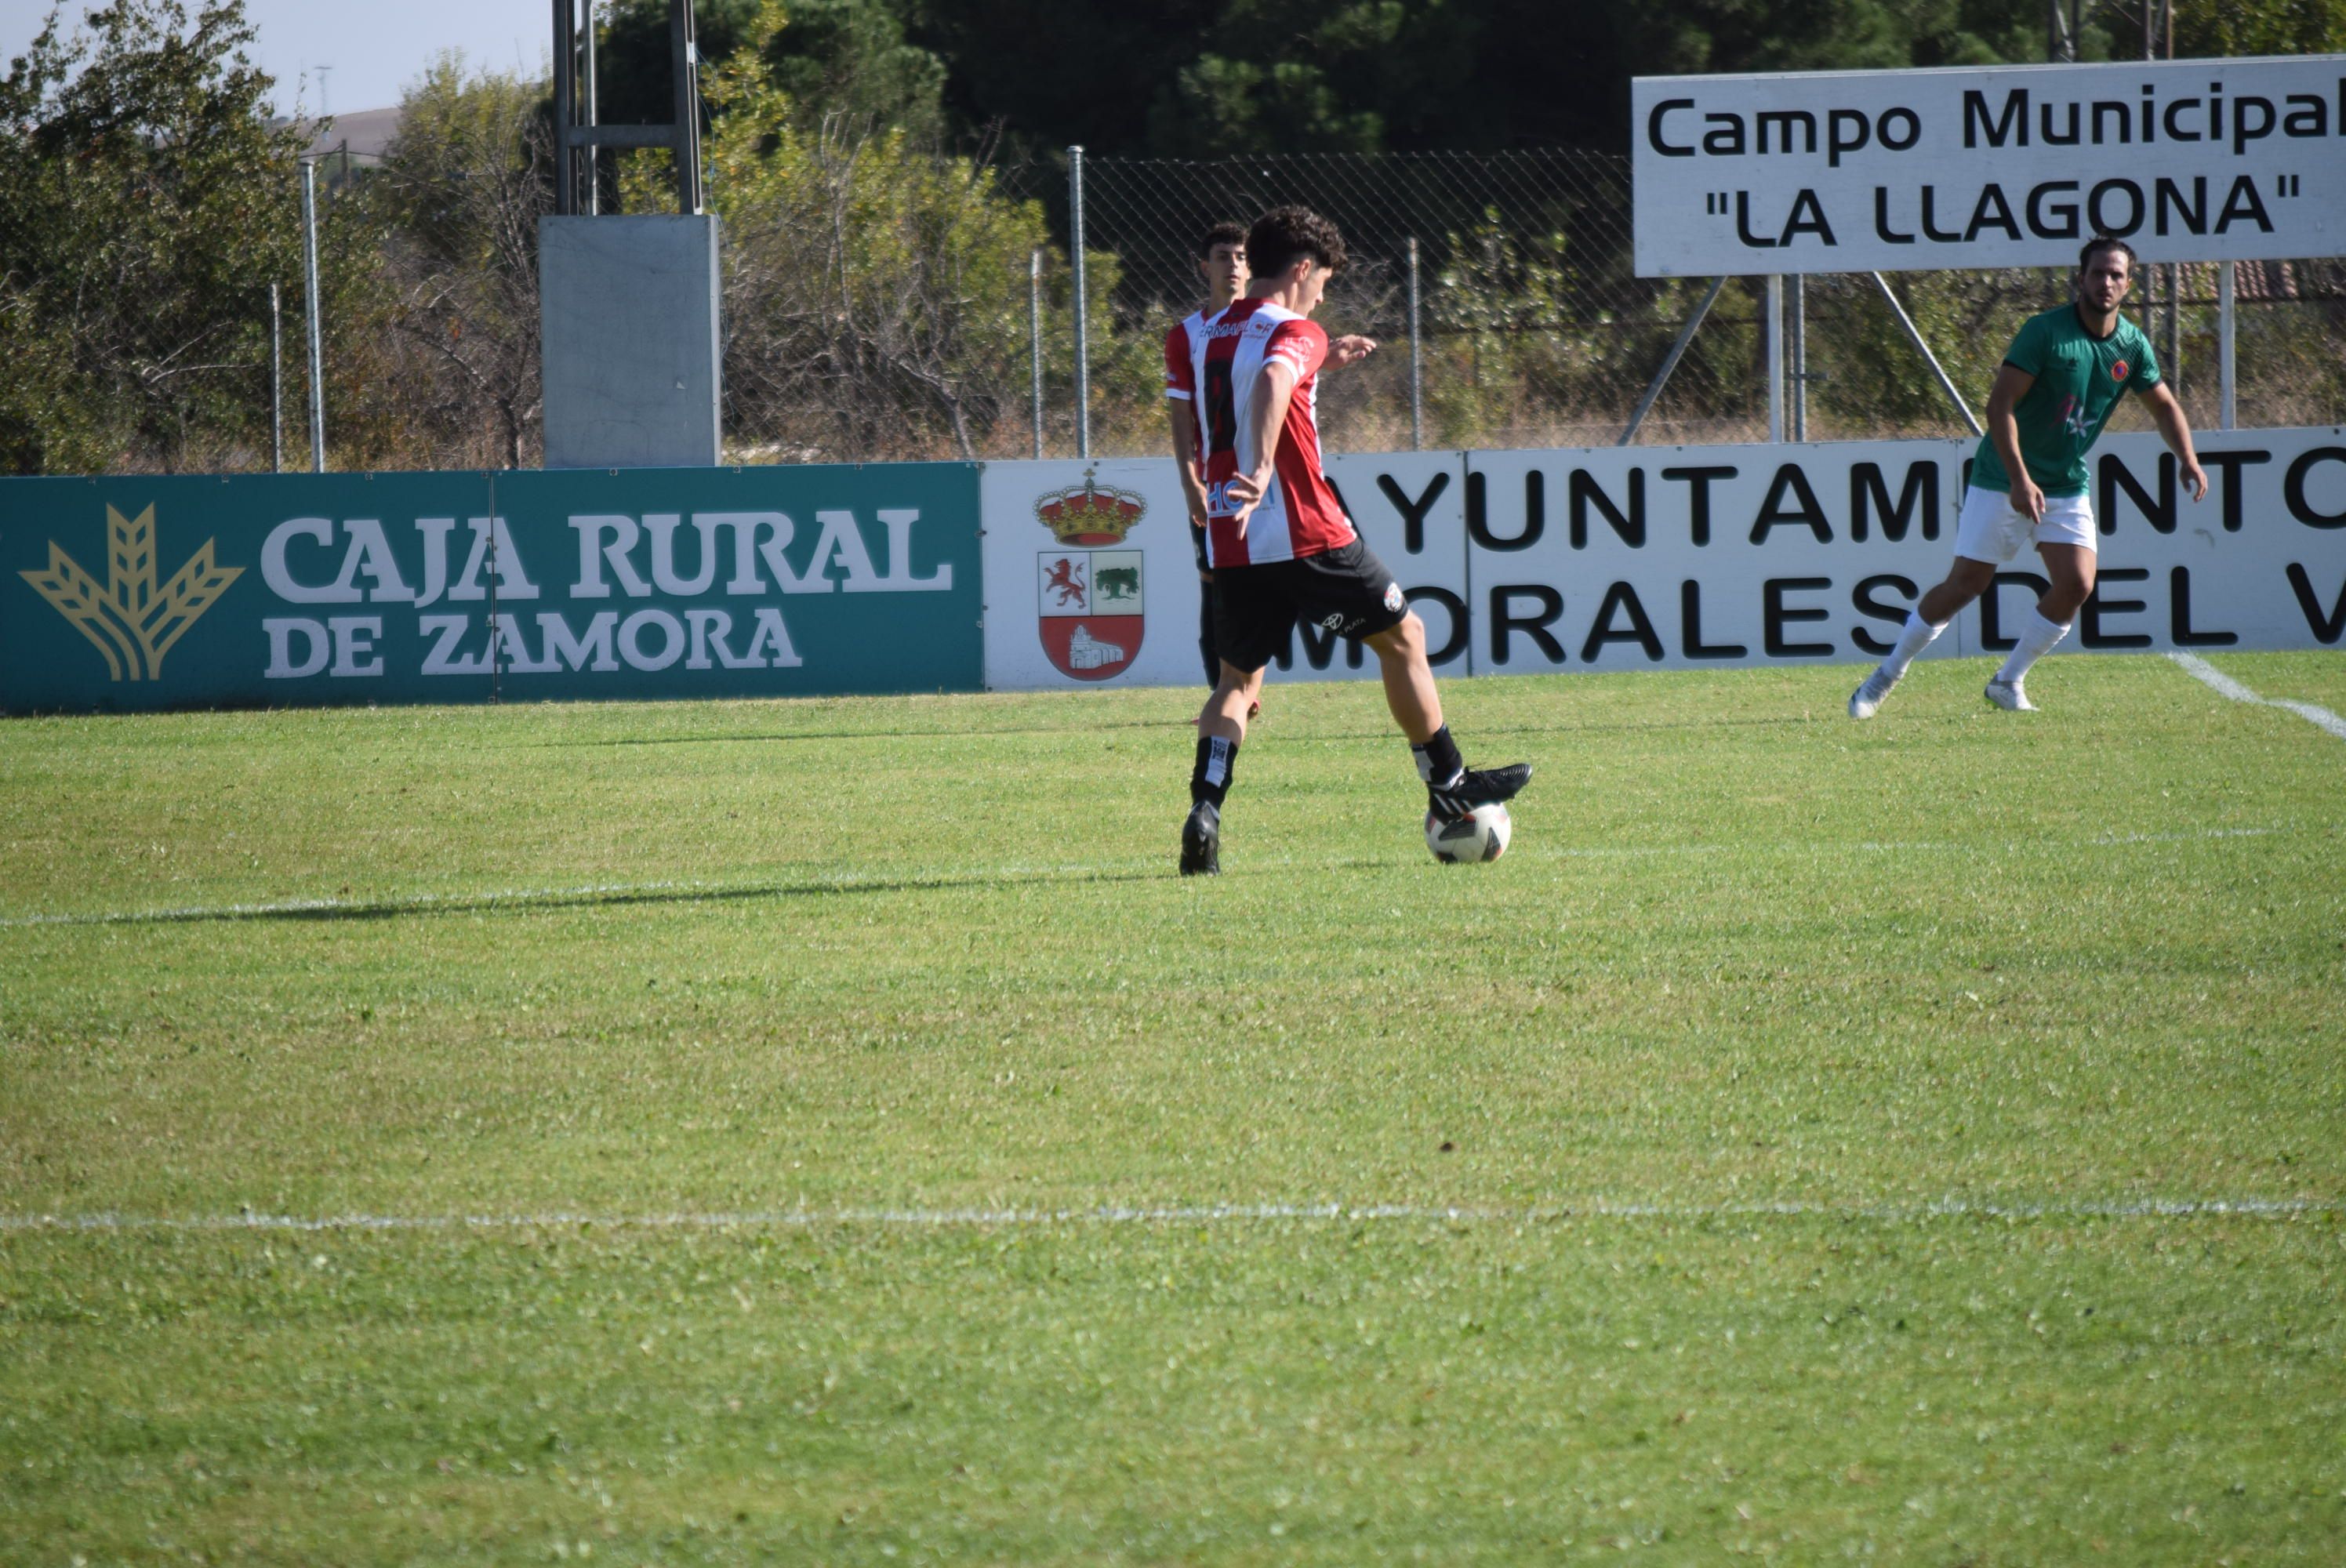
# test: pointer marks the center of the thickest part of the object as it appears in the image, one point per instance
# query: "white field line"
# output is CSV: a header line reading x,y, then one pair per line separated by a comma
x,y
1203,1213
2224,684
916,877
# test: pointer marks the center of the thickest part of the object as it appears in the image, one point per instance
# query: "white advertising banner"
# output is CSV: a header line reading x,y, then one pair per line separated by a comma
x,y
1091,572
1411,509
1090,577
1685,558
1676,558
1846,171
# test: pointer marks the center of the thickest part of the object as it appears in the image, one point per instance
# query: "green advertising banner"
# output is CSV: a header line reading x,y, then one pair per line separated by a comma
x,y
277,590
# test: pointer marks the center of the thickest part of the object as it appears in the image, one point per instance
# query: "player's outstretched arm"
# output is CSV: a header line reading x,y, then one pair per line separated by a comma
x,y
1350,349
2167,412
2011,384
1183,417
1274,387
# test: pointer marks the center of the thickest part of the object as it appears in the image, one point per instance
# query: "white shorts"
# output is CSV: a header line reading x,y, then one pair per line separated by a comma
x,y
1991,529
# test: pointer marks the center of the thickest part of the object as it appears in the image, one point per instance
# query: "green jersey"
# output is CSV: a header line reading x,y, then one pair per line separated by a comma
x,y
2080,380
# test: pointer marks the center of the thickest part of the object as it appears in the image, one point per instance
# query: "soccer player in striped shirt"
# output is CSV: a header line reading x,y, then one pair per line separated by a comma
x,y
1278,542
1222,261
2063,375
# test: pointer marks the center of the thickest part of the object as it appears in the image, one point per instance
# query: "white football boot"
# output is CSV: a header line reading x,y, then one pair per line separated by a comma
x,y
1867,699
2008,695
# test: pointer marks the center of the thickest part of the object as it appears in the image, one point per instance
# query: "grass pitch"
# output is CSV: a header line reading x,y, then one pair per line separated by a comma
x,y
828,1131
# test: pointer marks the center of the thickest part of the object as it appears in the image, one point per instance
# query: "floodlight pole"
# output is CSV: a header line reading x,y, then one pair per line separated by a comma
x,y
573,92
684,63
566,112
2062,22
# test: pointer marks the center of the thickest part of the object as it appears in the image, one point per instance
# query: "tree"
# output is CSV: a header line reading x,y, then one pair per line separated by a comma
x,y
836,57
145,205
2203,27
869,280
456,205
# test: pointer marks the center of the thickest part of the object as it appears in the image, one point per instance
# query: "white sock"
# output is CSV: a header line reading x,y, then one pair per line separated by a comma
x,y
1918,634
2036,640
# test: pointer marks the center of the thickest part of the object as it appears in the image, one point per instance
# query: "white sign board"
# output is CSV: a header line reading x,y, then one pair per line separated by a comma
x,y
1678,558
1091,573
1660,558
1848,171
1090,576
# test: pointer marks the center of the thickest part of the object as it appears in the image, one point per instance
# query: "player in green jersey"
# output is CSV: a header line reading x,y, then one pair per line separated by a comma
x,y
2064,373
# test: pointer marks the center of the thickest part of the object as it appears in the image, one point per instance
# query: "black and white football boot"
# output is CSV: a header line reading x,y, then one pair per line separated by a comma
x,y
1476,786
1201,842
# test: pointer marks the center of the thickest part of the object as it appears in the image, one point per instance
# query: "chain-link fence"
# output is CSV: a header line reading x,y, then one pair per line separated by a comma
x,y
884,304
1532,329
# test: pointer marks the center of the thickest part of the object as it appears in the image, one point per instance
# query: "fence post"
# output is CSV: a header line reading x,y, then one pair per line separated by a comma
x,y
276,385
1775,357
1035,338
1416,360
310,288
1799,372
2226,328
1083,307
2173,367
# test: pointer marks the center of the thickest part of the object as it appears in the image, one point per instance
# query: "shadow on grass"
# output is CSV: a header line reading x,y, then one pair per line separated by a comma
x,y
955,733
430,905
1621,726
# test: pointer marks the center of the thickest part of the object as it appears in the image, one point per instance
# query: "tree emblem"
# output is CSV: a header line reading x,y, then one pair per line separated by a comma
x,y
127,620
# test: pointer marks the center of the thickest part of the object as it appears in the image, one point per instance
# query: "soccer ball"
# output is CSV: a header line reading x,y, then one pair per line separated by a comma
x,y
1480,835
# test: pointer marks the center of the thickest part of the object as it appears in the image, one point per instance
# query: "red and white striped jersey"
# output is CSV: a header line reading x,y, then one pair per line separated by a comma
x,y
1180,370
1299,515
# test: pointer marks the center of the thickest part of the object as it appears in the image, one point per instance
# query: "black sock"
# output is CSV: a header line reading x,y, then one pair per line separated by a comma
x,y
1438,761
1210,778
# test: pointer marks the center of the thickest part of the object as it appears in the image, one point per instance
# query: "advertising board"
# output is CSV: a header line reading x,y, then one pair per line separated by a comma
x,y
135,593
1846,171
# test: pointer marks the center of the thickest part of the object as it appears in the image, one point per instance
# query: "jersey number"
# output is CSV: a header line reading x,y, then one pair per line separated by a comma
x,y
1221,418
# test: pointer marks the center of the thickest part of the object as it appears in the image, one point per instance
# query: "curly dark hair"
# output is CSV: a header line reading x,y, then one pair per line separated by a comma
x,y
1284,233
1222,234
2108,243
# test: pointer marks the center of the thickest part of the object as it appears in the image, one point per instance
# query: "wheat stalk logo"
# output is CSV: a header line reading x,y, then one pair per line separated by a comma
x,y
128,620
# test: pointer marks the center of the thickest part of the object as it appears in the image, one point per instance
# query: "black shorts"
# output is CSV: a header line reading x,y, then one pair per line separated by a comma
x,y
1346,590
1197,543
